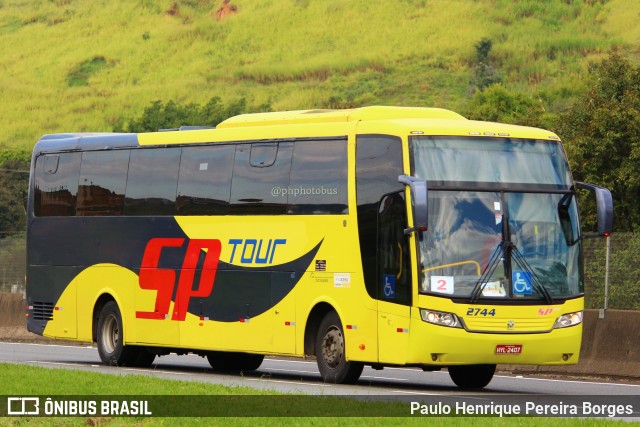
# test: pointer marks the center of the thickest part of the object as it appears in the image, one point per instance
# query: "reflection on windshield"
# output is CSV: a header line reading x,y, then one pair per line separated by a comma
x,y
490,160
467,237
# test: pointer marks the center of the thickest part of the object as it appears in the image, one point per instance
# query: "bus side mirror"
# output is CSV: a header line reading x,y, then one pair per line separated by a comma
x,y
604,207
418,202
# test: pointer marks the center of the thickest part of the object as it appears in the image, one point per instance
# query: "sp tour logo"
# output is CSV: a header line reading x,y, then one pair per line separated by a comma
x,y
170,283
164,280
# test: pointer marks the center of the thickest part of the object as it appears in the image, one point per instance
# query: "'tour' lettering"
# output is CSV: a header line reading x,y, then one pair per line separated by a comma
x,y
164,280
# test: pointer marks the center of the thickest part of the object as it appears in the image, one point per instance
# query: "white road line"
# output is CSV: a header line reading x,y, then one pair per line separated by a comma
x,y
445,373
48,345
417,392
567,381
287,370
384,378
271,359
38,362
154,371
286,382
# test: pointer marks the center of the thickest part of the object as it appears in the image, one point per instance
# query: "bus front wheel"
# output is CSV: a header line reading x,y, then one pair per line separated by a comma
x,y
330,353
472,376
109,336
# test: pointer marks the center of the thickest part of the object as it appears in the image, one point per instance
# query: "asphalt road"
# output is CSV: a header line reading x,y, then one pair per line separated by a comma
x,y
302,377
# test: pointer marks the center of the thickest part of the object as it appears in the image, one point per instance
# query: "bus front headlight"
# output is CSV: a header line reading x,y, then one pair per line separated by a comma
x,y
440,318
567,320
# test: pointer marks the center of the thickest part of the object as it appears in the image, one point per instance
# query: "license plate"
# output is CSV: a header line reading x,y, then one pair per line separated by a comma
x,y
509,349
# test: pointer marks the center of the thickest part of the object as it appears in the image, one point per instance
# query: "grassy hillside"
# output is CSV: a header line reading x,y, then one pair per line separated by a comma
x,y
84,65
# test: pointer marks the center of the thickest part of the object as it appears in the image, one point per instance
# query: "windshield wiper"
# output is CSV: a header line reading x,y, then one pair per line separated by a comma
x,y
511,251
494,261
521,262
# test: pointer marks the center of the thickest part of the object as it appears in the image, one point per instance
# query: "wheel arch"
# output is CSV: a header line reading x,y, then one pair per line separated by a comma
x,y
317,313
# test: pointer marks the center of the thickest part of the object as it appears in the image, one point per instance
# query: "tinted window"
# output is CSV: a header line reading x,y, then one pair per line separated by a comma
x,y
378,164
152,182
256,185
502,160
318,182
56,184
205,180
103,176
394,267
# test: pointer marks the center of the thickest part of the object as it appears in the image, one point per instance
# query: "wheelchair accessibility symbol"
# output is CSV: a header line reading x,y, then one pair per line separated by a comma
x,y
522,283
389,287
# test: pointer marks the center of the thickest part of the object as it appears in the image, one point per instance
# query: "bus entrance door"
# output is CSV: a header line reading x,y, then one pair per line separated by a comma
x,y
394,280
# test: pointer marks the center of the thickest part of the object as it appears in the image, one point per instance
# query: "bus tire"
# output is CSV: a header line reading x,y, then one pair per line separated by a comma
x,y
472,376
234,362
109,338
330,353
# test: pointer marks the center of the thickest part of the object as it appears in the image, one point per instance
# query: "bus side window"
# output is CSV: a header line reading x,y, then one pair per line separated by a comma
x,y
56,184
152,182
103,177
204,185
318,178
260,181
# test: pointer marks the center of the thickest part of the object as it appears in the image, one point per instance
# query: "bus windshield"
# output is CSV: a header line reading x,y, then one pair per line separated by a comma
x,y
505,237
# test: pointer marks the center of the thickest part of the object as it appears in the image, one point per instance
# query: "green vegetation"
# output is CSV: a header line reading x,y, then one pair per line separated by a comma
x,y
14,179
173,115
79,76
624,270
602,131
79,65
23,380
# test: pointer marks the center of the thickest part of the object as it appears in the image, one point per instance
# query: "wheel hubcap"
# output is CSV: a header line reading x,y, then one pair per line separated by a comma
x,y
110,333
332,347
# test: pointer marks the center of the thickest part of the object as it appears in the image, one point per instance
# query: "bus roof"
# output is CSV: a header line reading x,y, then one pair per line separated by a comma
x,y
303,124
333,116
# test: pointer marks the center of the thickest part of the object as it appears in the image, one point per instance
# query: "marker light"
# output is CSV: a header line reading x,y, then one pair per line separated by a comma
x,y
440,318
567,320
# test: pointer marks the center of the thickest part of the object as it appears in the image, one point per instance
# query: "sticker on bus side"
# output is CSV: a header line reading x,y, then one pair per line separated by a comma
x,y
342,280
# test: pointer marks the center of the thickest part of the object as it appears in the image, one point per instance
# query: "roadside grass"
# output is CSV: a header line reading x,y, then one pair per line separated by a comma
x,y
23,380
78,65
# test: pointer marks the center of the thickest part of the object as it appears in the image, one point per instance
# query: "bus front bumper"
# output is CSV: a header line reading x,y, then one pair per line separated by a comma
x,y
440,345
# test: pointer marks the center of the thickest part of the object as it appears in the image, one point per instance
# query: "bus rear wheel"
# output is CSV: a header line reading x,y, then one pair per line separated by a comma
x,y
234,362
109,336
472,376
330,353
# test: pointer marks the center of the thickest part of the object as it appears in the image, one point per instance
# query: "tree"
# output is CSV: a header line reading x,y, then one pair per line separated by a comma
x,y
173,115
497,104
602,138
14,183
484,73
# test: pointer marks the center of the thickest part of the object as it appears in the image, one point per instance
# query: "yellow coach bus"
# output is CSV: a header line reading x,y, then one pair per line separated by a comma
x,y
381,236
